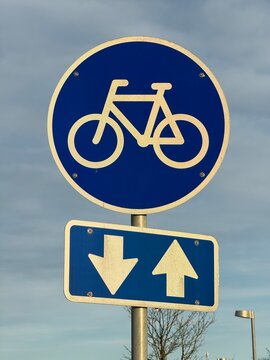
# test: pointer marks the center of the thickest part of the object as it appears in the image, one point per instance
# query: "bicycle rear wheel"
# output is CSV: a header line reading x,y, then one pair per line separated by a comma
x,y
92,163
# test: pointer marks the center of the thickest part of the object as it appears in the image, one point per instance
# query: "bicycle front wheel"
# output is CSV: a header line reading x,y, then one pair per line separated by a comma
x,y
179,118
109,159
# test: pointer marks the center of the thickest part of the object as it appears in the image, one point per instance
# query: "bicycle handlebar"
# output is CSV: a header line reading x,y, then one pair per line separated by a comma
x,y
165,86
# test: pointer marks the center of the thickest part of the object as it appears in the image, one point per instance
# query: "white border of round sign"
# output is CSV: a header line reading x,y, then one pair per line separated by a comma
x,y
156,41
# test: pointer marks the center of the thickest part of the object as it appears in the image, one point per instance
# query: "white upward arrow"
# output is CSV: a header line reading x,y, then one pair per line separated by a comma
x,y
176,266
112,267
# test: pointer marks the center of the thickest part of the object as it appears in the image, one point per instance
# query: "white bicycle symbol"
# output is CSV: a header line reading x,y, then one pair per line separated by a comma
x,y
145,139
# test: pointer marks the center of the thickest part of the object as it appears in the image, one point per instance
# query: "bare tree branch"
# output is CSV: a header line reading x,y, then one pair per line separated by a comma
x,y
170,330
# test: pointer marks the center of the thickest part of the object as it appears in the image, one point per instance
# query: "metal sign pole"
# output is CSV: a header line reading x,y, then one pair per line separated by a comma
x,y
139,314
254,355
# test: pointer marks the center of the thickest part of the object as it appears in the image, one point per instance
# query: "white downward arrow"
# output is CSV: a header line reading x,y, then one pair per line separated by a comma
x,y
176,266
112,267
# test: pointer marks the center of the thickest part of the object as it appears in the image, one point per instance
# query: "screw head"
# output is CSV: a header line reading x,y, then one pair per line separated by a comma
x,y
201,75
90,231
196,242
90,294
76,73
202,174
74,175
197,302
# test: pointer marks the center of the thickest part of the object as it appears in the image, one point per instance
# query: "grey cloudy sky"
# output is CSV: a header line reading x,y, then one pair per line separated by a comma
x,y
38,42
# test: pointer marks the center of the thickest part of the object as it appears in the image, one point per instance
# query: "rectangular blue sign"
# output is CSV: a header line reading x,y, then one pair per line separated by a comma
x,y
131,266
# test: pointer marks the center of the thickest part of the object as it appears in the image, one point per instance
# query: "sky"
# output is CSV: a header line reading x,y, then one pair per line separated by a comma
x,y
38,41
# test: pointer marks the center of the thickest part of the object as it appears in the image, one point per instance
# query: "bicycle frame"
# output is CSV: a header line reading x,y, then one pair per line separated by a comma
x,y
158,100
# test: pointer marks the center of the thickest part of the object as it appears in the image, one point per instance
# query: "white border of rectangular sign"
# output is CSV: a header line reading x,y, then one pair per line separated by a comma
x,y
139,303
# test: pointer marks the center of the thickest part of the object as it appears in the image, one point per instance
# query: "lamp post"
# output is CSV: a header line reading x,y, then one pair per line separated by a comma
x,y
249,314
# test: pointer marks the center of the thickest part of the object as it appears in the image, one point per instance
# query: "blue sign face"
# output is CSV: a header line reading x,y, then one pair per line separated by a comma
x,y
121,265
138,125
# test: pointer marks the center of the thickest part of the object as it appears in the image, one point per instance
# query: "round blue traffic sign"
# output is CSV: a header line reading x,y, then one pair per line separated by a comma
x,y
138,125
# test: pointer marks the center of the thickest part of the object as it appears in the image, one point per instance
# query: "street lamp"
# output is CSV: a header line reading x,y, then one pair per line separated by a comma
x,y
249,314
